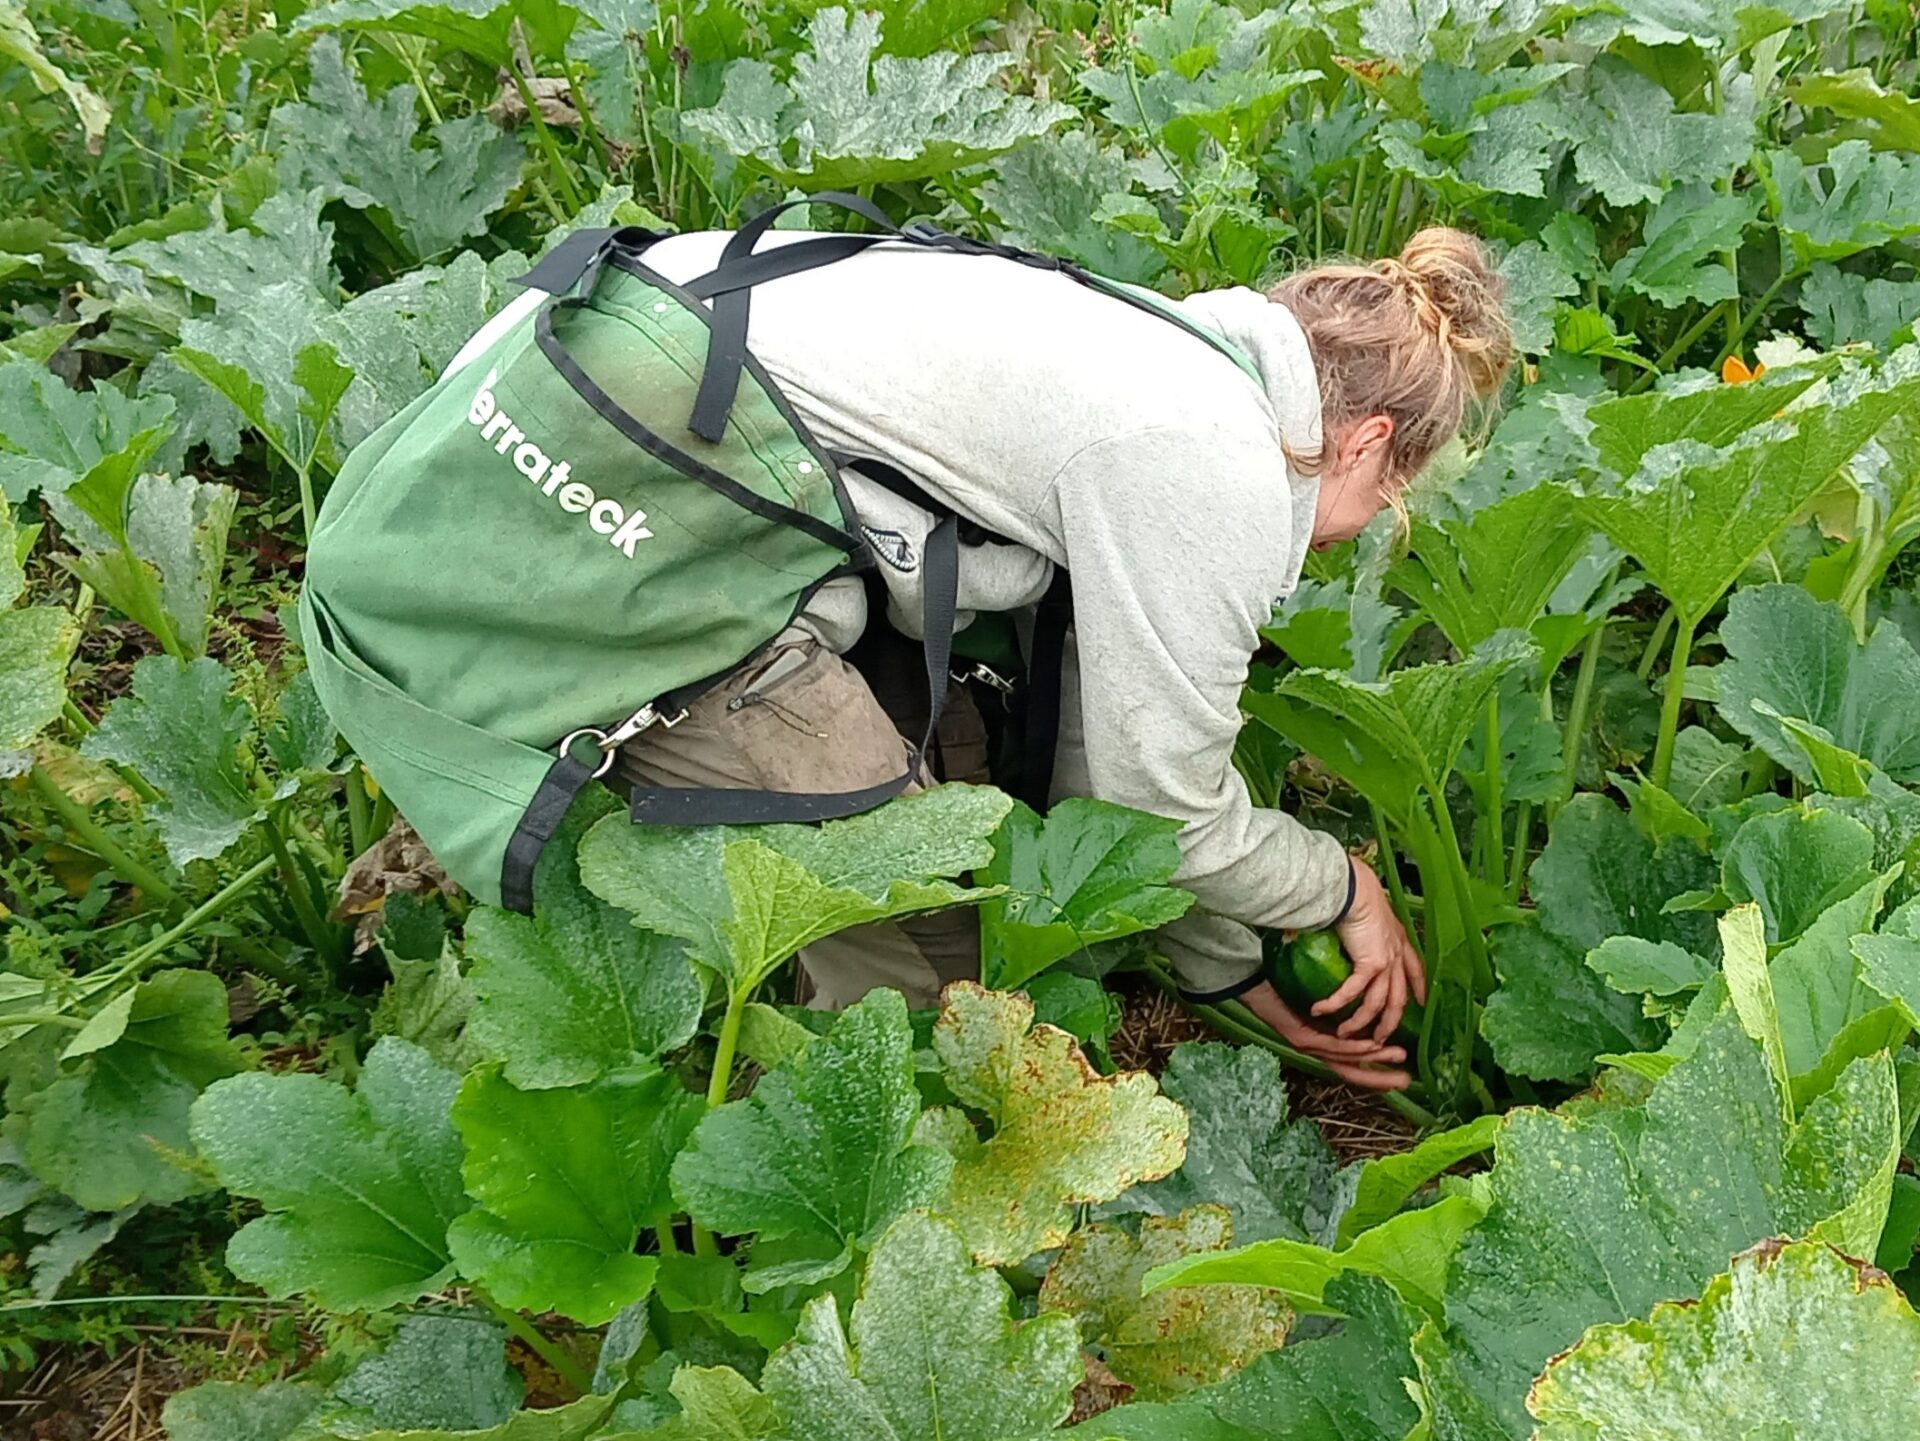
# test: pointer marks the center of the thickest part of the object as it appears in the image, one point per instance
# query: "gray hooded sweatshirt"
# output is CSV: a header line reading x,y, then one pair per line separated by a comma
x,y
1094,435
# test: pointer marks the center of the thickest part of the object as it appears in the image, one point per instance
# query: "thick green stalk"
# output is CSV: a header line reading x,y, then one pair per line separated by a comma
x,y
212,906
587,122
1679,347
41,1018
547,143
359,812
81,826
1242,1025
1395,888
1670,702
1359,196
1390,212
1738,334
564,1365
1656,644
1496,817
1574,737
309,511
319,935
1522,838
722,1079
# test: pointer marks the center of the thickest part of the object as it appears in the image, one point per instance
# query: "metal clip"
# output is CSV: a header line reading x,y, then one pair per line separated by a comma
x,y
643,719
986,675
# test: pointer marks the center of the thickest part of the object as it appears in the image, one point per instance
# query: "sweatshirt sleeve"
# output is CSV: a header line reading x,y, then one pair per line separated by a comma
x,y
1168,598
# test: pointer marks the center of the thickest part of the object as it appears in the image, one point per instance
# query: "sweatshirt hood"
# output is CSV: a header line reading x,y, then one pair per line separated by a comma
x,y
1268,335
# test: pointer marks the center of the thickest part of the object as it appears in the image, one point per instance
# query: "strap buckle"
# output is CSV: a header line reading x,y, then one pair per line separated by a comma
x,y
648,716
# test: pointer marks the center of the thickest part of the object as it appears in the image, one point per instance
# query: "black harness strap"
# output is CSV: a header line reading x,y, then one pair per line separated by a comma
x,y
727,349
564,780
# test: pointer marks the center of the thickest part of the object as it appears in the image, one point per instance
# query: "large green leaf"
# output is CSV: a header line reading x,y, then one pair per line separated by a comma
x,y
182,729
1843,308
1591,1222
1695,519
1795,1341
1345,1387
60,1235
575,990
1634,145
852,117
1495,569
36,642
1795,864
1275,1177
746,898
1679,256
1598,878
258,355
1062,1135
1718,25
577,1421
1797,656
362,151
446,1371
1410,1252
821,1150
563,1182
1623,429
359,1188
1206,77
482,28
1386,1183
51,436
930,1355
234,1411
1177,1338
112,1130
1854,200
20,43
284,240
1091,871
1046,192
1389,739
1892,119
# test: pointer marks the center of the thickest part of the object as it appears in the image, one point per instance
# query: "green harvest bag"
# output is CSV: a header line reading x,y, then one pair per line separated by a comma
x,y
563,542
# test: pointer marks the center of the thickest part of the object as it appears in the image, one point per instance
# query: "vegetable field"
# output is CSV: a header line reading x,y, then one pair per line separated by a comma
x,y
1627,713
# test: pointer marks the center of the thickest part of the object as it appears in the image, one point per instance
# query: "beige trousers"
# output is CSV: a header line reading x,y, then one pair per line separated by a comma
x,y
799,718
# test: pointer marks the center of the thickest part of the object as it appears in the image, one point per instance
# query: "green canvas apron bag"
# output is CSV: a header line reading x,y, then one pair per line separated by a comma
x,y
565,541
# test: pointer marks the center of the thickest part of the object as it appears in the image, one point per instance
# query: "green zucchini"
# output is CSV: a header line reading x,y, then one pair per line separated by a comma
x,y
1312,967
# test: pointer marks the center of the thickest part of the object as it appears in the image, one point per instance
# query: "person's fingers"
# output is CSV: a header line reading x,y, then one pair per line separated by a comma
x,y
1371,1078
1354,984
1396,1005
1416,972
1378,994
1349,1048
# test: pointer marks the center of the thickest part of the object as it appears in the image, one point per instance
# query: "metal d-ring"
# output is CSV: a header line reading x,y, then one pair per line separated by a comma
x,y
600,739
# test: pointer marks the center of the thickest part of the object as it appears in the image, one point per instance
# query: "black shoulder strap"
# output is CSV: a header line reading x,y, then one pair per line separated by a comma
x,y
575,262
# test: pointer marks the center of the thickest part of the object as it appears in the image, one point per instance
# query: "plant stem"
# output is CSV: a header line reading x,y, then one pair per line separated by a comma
x,y
309,511
300,898
41,1018
1670,702
564,1365
81,826
1522,837
1359,194
1395,888
359,811
722,1079
547,143
587,122
1242,1025
1656,643
1390,212
663,1238
212,906
1679,348
1496,819
1737,335
1574,737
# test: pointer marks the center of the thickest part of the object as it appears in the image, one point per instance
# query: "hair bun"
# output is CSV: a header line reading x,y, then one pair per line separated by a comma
x,y
1459,295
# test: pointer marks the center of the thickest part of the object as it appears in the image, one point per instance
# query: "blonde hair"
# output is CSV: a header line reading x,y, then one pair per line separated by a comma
x,y
1417,338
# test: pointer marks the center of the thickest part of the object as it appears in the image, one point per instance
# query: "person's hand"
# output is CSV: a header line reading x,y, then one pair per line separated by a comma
x,y
1386,968
1357,1060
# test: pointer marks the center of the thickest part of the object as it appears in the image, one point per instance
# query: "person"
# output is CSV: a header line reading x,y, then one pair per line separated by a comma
x,y
1180,490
